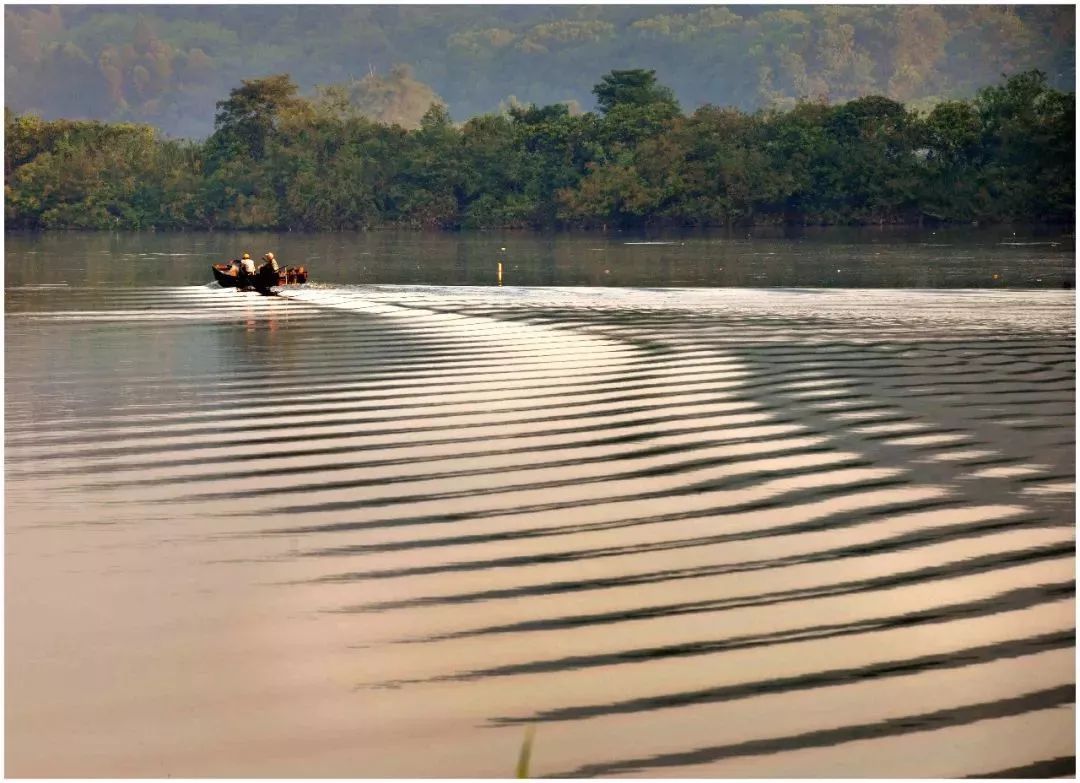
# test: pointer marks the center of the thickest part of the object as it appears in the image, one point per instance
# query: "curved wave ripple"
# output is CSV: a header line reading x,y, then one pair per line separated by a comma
x,y
380,531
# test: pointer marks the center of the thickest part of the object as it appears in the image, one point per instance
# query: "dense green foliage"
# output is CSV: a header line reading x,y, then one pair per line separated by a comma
x,y
280,160
167,65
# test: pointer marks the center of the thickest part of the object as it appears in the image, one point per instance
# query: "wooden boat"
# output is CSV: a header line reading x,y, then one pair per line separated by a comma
x,y
262,281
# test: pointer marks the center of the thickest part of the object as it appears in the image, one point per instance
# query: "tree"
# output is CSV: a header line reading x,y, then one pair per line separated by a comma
x,y
921,36
635,107
637,87
556,148
278,161
246,119
954,157
433,172
1029,139
493,169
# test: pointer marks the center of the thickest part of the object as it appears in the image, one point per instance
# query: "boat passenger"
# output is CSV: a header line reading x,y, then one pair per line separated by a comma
x,y
270,262
246,264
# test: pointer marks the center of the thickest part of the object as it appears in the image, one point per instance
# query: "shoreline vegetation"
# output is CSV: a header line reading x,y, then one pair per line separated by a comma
x,y
278,160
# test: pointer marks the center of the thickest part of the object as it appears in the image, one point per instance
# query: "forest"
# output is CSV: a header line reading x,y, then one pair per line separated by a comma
x,y
167,65
282,159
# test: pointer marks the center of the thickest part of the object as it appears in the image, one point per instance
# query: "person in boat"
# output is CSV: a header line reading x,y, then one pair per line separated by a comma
x,y
247,266
270,263
244,270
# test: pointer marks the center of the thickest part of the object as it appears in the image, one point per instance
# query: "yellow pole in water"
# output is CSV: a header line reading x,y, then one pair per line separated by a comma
x,y
500,273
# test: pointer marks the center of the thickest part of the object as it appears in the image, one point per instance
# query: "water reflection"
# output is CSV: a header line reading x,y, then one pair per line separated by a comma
x,y
884,257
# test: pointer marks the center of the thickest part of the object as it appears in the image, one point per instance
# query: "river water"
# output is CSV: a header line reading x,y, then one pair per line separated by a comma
x,y
722,506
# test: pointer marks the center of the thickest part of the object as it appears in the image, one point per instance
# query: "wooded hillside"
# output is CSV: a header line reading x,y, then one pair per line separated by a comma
x,y
168,65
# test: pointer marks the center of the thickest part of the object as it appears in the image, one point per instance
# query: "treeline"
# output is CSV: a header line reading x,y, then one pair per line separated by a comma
x,y
167,65
278,160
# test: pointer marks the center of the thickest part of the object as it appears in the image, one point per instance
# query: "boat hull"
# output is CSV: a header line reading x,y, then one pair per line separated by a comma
x,y
262,281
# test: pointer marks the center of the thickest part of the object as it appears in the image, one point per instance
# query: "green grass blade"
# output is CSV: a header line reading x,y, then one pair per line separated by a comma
x,y
526,753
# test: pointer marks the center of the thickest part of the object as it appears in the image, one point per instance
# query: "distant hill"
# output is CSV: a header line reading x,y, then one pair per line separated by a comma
x,y
168,65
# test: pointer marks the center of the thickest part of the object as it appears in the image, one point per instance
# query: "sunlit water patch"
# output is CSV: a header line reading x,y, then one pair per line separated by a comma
x,y
379,530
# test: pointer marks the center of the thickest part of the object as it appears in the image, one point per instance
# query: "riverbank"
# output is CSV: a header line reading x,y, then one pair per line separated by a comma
x,y
279,161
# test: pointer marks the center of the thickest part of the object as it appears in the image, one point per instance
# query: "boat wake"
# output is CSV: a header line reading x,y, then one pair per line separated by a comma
x,y
721,533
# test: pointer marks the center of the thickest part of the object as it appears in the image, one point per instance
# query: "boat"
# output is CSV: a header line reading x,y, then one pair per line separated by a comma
x,y
262,281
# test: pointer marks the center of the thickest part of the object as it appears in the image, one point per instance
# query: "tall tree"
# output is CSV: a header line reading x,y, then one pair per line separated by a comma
x,y
637,87
246,119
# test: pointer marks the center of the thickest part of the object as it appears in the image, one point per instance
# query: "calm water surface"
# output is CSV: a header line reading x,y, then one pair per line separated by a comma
x,y
831,258
378,525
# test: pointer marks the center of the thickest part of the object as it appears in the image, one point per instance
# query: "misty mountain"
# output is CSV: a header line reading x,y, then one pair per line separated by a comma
x,y
169,65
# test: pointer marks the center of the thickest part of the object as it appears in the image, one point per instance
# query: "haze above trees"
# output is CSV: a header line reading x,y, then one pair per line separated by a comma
x,y
169,65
